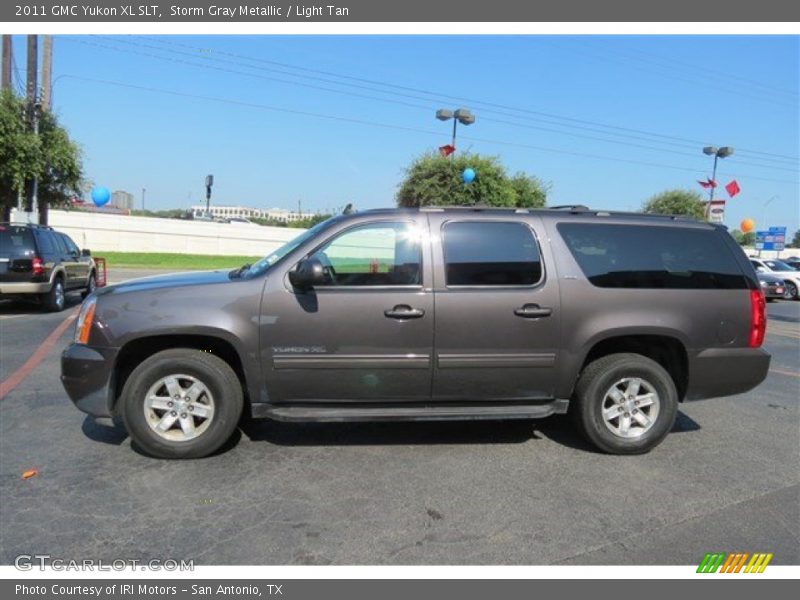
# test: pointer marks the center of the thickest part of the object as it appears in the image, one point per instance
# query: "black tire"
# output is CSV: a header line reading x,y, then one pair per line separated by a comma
x,y
790,291
56,298
91,285
590,394
213,372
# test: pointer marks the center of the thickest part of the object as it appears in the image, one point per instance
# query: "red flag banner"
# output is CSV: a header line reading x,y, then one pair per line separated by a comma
x,y
732,188
447,149
708,183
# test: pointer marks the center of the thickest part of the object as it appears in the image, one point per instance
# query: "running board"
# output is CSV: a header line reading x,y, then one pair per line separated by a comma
x,y
439,412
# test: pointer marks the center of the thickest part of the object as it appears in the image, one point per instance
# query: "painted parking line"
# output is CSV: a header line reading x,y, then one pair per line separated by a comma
x,y
18,376
784,372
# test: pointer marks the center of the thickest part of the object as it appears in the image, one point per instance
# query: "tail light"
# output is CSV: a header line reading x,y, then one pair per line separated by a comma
x,y
38,266
758,319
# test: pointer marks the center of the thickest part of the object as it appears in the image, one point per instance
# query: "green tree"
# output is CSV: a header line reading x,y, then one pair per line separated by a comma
x,y
677,202
52,157
432,179
796,239
743,239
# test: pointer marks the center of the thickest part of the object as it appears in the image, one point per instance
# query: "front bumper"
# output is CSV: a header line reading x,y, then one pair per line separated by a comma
x,y
726,371
87,376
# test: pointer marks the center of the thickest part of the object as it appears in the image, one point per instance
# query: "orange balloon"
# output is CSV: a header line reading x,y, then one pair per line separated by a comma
x,y
747,225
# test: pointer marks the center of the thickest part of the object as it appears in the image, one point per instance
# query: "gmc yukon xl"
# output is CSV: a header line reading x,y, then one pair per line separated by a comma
x,y
432,313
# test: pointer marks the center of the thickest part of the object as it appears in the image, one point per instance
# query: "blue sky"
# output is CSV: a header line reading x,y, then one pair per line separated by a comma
x,y
606,120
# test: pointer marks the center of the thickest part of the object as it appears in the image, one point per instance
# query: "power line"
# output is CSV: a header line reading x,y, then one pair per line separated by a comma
x,y
688,141
394,127
205,65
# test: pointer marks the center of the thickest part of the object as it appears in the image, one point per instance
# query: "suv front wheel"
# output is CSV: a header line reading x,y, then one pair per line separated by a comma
x,y
625,403
181,403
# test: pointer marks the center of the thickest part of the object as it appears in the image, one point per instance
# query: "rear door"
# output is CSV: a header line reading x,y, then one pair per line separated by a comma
x,y
17,250
497,309
81,264
69,259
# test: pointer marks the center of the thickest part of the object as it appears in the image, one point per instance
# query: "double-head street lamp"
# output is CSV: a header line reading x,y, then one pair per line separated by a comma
x,y
717,153
460,115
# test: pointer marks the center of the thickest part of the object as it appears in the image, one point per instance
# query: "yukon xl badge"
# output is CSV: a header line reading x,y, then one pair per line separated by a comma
x,y
299,349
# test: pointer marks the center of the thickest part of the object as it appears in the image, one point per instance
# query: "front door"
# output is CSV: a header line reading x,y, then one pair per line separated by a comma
x,y
366,334
497,309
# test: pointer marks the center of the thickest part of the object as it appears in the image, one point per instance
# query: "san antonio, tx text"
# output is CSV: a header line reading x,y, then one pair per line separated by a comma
x,y
129,589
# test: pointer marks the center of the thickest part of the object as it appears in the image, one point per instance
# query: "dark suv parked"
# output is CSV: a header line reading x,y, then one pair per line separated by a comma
x,y
432,314
39,262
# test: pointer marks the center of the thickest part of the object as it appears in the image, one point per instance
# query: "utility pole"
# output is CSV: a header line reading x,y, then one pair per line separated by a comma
x,y
31,198
5,79
47,73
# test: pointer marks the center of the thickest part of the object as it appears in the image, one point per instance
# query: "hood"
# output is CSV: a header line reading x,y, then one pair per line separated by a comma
x,y
172,280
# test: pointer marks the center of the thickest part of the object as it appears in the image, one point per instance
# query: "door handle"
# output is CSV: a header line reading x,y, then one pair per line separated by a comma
x,y
404,311
532,311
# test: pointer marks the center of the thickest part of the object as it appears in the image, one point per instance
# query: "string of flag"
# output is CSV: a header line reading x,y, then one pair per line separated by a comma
x,y
732,187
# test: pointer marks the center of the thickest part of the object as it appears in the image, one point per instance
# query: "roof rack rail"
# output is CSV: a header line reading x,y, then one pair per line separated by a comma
x,y
24,224
570,207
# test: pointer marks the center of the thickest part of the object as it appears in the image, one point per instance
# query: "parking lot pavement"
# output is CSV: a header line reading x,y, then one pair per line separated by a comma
x,y
529,492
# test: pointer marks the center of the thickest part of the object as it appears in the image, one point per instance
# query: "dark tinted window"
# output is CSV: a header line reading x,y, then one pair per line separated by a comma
x,y
71,246
15,241
373,255
638,256
490,253
61,244
46,242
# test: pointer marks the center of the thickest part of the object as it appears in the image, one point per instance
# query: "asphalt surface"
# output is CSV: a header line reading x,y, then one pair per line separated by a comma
x,y
530,492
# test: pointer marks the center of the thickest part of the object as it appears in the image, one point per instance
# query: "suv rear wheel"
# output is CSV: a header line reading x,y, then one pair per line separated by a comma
x,y
181,403
55,299
625,403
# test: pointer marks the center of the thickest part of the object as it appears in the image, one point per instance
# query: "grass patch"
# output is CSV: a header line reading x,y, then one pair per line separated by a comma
x,y
179,262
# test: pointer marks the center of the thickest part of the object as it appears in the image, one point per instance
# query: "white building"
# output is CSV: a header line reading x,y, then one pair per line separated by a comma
x,y
122,200
247,212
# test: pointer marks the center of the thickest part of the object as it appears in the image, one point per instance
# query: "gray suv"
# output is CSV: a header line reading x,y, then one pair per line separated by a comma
x,y
432,314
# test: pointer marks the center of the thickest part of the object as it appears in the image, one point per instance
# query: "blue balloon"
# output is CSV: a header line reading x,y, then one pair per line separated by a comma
x,y
468,175
100,196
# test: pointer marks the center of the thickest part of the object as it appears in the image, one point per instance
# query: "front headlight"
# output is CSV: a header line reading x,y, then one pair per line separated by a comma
x,y
85,320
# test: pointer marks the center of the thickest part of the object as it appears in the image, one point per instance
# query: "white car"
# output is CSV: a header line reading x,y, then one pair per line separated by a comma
x,y
779,269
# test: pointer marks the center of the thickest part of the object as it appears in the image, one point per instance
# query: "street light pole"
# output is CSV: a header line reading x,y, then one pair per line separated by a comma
x,y
717,153
460,115
209,183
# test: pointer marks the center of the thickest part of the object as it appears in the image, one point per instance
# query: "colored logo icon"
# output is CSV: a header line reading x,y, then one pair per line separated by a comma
x,y
734,562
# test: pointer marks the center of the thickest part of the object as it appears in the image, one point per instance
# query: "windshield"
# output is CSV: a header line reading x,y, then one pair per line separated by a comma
x,y
265,263
777,265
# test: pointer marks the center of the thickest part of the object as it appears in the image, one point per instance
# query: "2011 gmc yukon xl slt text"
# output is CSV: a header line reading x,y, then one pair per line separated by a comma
x,y
432,314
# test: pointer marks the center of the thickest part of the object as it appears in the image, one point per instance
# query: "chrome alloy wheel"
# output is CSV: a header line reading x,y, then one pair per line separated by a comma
x,y
60,298
179,407
630,407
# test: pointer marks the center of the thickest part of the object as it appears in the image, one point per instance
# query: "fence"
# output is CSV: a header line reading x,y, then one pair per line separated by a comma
x,y
119,233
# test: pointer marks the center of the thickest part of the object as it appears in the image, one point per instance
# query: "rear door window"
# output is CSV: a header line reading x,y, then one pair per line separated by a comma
x,y
655,257
490,253
16,241
61,243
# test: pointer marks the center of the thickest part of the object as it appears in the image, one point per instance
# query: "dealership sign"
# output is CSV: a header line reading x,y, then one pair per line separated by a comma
x,y
772,239
716,211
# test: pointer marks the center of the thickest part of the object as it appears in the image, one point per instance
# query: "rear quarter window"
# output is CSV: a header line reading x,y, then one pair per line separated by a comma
x,y
651,256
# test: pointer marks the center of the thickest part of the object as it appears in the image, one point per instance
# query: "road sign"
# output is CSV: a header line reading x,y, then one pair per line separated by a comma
x,y
773,238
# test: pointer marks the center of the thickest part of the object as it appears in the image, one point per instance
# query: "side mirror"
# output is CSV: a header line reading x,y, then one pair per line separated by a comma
x,y
309,272
86,252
